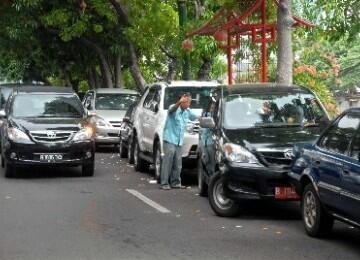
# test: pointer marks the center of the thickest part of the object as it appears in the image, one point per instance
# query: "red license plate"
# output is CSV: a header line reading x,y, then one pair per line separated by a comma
x,y
284,193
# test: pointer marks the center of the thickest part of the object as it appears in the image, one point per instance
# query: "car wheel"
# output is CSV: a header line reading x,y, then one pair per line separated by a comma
x,y
10,170
221,205
316,220
88,169
122,150
157,162
203,187
130,151
140,164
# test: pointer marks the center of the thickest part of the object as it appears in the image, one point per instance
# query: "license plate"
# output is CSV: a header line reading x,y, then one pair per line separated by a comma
x,y
282,193
51,157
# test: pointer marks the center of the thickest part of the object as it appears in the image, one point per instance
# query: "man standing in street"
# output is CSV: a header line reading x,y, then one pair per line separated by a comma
x,y
177,119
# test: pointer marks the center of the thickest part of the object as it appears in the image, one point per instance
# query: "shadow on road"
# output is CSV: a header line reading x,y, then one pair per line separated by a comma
x,y
47,172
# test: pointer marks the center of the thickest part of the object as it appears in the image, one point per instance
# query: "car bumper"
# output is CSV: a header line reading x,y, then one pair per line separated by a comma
x,y
109,135
254,182
73,154
189,147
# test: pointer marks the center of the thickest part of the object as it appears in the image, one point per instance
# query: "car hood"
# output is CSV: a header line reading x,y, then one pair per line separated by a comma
x,y
111,115
267,138
43,124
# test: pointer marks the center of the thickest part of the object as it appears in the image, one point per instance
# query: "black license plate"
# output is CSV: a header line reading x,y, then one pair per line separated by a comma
x,y
50,157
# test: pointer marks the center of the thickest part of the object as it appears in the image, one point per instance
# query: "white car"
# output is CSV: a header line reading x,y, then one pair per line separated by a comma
x,y
108,107
150,117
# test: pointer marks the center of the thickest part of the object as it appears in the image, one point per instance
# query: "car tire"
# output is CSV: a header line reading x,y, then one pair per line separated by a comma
x,y
122,150
140,164
130,150
222,206
157,162
88,169
317,221
203,187
9,169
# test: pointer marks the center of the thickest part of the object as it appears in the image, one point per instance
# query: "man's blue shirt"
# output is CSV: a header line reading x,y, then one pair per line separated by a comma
x,y
176,123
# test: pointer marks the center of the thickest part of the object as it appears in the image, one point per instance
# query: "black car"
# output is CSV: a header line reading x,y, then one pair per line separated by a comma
x,y
327,175
46,126
245,148
126,131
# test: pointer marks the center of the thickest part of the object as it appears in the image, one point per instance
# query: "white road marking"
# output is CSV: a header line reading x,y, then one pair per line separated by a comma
x,y
148,201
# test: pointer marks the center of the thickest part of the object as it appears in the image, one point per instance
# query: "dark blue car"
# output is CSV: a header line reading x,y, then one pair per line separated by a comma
x,y
327,175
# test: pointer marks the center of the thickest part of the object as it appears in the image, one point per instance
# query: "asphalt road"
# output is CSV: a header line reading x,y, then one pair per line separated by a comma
x,y
56,214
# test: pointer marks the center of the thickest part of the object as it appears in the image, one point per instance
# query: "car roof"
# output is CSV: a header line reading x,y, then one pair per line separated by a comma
x,y
264,88
44,89
192,83
115,91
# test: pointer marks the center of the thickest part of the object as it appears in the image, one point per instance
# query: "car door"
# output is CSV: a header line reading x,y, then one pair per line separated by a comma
x,y
146,137
350,186
153,117
330,155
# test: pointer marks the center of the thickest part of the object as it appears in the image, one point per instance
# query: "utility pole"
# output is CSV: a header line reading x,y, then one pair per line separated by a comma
x,y
186,55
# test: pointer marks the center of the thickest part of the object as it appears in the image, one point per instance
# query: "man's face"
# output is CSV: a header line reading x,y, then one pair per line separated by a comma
x,y
186,104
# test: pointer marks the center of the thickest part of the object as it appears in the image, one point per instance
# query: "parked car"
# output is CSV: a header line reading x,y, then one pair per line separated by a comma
x,y
108,107
150,117
246,150
126,131
327,175
46,126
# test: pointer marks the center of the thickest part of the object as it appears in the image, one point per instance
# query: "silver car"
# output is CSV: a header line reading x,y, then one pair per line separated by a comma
x,y
108,107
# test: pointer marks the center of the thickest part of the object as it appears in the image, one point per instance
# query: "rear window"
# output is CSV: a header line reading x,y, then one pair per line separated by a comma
x,y
46,105
199,96
114,101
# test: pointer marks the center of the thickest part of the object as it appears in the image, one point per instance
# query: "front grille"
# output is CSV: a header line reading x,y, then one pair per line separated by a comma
x,y
51,136
116,123
275,157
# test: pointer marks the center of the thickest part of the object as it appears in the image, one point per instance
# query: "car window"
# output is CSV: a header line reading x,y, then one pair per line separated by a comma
x,y
271,110
355,146
199,96
4,95
114,101
149,98
46,105
339,135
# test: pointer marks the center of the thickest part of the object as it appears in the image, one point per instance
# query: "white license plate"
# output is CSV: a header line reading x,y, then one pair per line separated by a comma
x,y
51,157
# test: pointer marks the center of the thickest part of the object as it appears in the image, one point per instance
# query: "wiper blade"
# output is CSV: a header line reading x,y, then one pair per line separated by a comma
x,y
269,125
310,124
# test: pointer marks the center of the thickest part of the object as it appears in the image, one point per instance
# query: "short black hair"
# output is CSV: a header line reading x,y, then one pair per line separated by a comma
x,y
186,94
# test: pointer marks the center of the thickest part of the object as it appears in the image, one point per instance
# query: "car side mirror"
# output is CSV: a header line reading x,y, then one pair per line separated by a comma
x,y
2,114
207,122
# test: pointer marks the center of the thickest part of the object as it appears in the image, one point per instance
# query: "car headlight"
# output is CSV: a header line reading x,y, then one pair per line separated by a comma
x,y
84,134
239,154
100,121
300,162
18,136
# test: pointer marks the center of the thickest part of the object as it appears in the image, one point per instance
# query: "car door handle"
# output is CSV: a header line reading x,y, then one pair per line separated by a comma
x,y
317,162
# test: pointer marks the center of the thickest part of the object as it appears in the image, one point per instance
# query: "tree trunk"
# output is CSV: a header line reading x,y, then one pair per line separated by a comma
x,y
205,69
67,79
123,19
104,65
91,79
97,78
118,72
135,68
284,73
173,67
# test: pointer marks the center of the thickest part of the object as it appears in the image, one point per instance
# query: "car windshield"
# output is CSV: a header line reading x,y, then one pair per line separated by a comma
x,y
46,105
271,110
199,96
114,101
